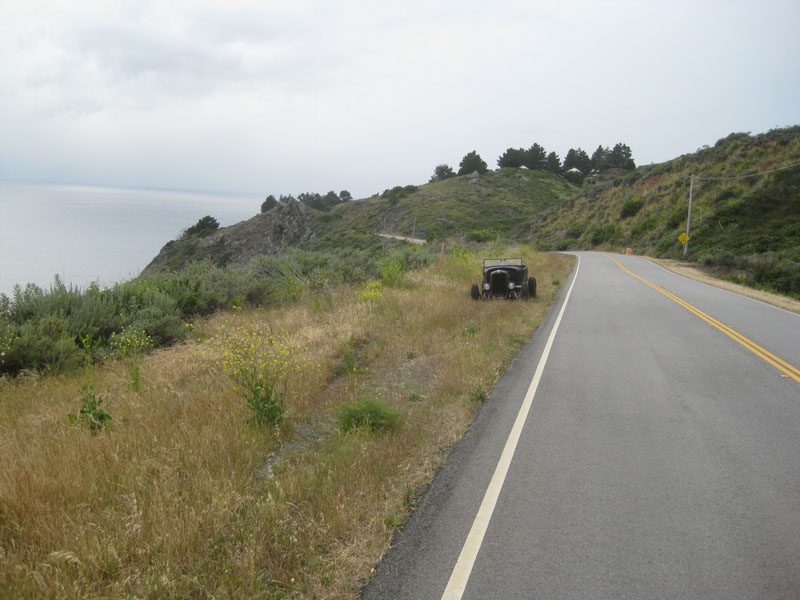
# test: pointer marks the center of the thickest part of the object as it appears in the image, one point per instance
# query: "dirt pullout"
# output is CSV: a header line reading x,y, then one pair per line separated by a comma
x,y
699,274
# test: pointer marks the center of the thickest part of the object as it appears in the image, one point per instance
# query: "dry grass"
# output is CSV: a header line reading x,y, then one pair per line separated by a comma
x,y
173,498
698,273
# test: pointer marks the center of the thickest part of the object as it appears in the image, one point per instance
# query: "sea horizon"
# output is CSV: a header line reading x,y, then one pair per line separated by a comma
x,y
98,234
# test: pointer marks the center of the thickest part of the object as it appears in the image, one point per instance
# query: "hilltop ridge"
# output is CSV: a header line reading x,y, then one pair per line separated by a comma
x,y
745,222
745,215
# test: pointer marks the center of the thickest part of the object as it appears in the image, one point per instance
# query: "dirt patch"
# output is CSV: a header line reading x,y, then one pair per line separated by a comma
x,y
698,273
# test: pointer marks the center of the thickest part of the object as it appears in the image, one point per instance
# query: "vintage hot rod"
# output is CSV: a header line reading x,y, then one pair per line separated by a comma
x,y
504,278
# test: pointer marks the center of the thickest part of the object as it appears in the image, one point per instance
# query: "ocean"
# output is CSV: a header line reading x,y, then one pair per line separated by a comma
x,y
88,234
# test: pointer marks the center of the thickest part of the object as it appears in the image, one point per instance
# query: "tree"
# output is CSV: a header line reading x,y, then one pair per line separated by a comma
x,y
512,157
345,196
269,203
203,227
621,157
329,200
535,157
442,172
311,199
578,159
600,159
472,162
573,176
553,163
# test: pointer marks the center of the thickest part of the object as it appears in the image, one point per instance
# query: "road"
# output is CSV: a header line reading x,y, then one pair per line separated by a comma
x,y
410,240
657,455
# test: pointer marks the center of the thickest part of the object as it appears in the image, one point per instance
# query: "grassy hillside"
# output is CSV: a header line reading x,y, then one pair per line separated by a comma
x,y
746,227
509,203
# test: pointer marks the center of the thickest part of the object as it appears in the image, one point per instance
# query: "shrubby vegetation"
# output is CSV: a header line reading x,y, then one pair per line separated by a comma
x,y
398,192
269,203
442,172
181,493
64,327
368,414
203,227
745,217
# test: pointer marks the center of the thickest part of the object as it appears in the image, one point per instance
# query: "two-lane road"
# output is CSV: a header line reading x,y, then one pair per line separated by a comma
x,y
656,455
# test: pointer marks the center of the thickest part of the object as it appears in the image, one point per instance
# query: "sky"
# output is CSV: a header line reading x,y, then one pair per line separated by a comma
x,y
284,97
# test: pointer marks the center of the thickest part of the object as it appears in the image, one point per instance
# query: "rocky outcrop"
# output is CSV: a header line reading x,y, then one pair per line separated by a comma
x,y
269,233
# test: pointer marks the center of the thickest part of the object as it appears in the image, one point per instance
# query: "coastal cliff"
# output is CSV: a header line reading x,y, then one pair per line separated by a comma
x,y
270,233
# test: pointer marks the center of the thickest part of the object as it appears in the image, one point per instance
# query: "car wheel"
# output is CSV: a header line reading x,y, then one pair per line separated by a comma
x,y
532,287
475,291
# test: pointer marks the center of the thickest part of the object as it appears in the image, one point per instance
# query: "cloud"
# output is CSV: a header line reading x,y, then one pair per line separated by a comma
x,y
313,95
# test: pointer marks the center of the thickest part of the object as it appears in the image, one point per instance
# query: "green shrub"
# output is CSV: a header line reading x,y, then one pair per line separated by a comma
x,y
91,412
478,395
480,235
64,327
631,208
574,177
392,270
260,364
398,192
43,344
368,414
203,227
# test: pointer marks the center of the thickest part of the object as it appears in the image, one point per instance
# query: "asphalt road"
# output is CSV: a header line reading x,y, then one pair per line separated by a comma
x,y
659,458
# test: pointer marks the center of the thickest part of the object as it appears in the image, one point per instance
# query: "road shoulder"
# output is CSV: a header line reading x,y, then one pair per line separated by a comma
x,y
697,273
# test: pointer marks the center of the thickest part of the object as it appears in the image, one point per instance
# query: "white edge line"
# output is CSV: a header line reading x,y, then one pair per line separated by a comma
x,y
469,551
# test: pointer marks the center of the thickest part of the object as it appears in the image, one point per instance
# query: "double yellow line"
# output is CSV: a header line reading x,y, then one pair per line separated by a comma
x,y
778,363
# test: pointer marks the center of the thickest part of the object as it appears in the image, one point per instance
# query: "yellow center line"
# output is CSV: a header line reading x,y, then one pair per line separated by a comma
x,y
778,363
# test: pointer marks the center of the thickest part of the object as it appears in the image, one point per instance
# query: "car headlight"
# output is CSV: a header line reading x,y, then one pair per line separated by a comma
x,y
511,285
486,286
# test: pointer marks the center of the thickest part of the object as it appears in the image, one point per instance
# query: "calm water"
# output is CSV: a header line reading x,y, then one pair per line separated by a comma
x,y
85,234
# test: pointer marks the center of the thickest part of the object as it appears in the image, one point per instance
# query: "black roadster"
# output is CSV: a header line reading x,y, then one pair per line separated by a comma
x,y
504,278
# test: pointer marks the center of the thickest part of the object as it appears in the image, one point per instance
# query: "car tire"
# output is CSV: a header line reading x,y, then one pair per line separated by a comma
x,y
532,287
475,291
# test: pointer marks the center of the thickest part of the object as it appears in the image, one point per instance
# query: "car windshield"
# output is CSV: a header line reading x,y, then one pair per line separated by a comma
x,y
498,262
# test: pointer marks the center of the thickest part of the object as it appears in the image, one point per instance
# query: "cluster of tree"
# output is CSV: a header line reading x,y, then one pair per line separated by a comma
x,y
471,163
577,158
534,157
310,199
619,157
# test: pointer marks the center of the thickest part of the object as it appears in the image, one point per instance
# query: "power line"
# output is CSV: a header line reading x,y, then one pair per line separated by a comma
x,y
747,176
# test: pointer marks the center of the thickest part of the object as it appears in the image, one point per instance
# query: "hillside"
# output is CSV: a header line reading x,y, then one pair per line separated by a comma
x,y
745,223
508,203
747,227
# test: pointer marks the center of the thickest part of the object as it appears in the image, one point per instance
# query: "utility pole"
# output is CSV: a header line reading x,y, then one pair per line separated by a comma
x,y
689,215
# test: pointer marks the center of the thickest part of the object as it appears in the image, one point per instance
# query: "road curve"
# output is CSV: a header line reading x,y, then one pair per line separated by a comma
x,y
659,457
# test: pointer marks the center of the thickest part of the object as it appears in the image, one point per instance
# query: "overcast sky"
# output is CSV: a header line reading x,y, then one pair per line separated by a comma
x,y
303,95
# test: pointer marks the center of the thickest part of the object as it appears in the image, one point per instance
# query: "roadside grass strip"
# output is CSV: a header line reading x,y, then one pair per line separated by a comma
x,y
788,369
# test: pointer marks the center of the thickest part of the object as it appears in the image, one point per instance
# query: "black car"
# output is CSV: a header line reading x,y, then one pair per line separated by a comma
x,y
504,278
